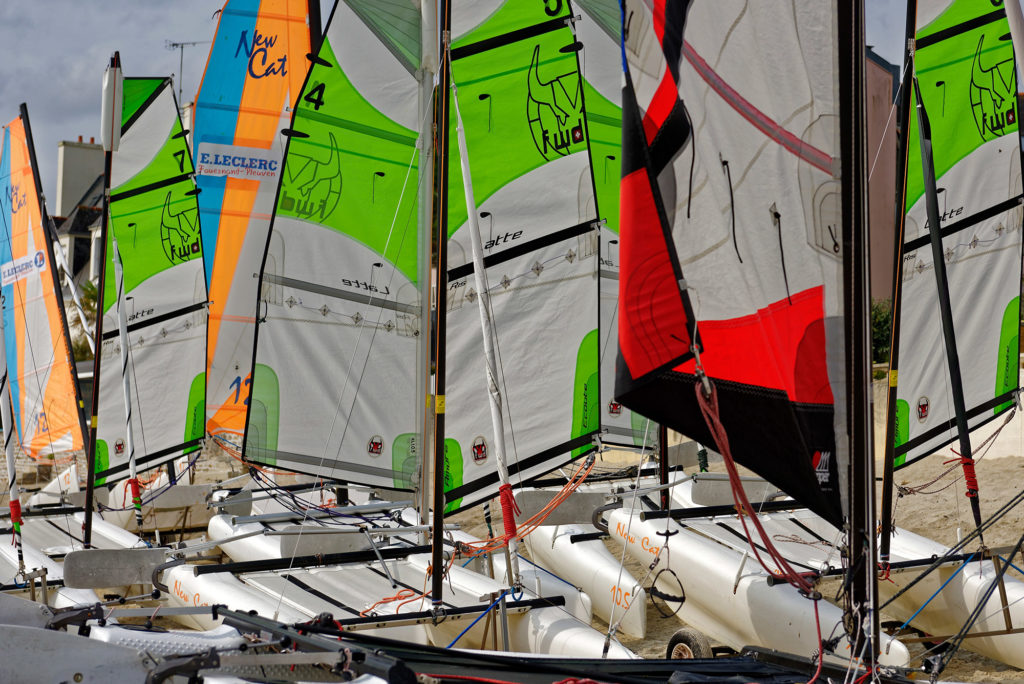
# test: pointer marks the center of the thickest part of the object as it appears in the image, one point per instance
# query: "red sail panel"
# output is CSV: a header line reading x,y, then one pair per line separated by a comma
x,y
729,223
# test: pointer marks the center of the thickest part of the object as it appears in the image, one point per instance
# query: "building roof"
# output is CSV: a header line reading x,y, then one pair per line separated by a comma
x,y
86,213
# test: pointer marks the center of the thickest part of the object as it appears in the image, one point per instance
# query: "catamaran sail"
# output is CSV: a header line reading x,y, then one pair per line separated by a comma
x,y
335,388
253,76
601,68
342,278
731,248
47,409
964,61
535,196
153,215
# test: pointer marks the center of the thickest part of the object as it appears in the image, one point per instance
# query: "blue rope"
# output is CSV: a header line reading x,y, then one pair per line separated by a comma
x,y
1011,565
939,590
489,609
560,579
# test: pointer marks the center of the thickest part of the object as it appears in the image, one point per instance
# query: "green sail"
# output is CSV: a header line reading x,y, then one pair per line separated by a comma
x,y
964,62
154,216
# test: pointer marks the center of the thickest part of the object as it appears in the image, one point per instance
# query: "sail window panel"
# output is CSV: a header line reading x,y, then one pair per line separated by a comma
x,y
339,332
965,66
38,359
155,219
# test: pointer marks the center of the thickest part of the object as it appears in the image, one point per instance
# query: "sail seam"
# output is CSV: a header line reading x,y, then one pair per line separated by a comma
x,y
162,455
109,335
369,300
150,186
518,467
145,105
962,224
508,38
533,246
951,424
957,29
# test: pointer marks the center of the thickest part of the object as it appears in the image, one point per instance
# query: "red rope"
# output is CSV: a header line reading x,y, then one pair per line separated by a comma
x,y
970,479
509,510
709,407
15,506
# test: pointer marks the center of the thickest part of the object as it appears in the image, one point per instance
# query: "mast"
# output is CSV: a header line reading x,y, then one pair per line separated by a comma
x,y
441,288
945,309
487,329
111,133
122,335
897,300
428,68
855,275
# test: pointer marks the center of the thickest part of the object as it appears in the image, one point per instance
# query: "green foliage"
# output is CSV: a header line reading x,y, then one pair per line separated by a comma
x,y
881,330
79,343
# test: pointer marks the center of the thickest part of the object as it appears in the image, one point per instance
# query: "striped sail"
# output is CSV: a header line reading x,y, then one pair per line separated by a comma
x,y
964,61
730,233
336,387
154,216
253,75
522,100
43,385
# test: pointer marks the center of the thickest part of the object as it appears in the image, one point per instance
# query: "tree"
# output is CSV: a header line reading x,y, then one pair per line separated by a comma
x,y
79,344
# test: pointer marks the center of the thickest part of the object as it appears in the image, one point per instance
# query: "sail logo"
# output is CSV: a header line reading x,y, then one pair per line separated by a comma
x,y
821,461
312,187
554,110
614,408
257,51
993,95
479,450
236,161
13,271
923,406
375,445
16,197
179,233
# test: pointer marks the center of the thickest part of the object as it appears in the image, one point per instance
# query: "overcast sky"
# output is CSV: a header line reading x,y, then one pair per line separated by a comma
x,y
55,52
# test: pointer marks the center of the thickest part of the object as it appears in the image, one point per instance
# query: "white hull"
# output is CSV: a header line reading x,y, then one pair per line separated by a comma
x,y
616,595
728,597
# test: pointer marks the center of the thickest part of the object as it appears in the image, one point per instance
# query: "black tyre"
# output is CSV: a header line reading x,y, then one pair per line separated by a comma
x,y
687,644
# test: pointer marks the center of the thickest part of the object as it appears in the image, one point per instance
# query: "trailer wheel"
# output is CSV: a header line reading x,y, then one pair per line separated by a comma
x,y
687,644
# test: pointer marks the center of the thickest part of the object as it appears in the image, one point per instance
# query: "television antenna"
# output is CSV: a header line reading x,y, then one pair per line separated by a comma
x,y
180,47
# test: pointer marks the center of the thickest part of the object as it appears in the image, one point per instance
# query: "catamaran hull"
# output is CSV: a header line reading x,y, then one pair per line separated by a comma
x,y
728,597
950,608
616,595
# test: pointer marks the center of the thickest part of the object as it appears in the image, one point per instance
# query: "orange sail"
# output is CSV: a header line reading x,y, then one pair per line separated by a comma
x,y
44,391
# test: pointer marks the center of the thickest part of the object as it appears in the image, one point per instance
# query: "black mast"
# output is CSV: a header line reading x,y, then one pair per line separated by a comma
x,y
51,235
853,130
956,388
897,284
108,154
441,100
